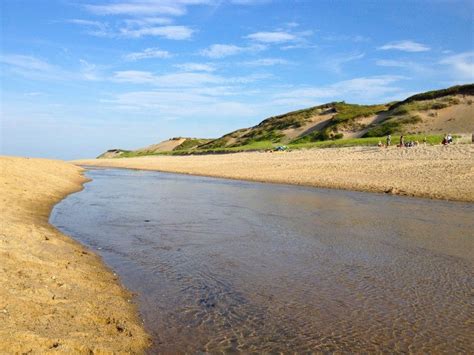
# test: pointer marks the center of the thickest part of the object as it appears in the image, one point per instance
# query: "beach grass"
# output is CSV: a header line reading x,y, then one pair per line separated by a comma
x,y
269,145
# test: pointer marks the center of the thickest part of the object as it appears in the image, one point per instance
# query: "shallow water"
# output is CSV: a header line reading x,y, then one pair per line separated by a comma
x,y
223,265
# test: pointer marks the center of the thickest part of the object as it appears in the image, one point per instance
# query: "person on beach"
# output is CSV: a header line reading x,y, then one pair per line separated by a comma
x,y
450,138
389,140
445,140
402,141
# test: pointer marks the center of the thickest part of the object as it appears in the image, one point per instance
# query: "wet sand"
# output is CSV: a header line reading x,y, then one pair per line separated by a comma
x,y
55,295
427,171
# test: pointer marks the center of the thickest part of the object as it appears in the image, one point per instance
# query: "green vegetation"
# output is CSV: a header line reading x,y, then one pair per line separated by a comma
x,y
419,106
268,145
430,95
315,136
190,143
345,115
391,126
348,112
216,143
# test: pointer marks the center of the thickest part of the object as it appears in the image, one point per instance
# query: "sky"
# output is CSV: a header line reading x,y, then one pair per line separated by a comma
x,y
79,77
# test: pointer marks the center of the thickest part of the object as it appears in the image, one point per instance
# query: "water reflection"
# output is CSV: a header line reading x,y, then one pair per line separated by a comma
x,y
234,266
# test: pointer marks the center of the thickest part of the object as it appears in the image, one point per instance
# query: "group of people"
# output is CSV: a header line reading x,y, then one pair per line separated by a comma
x,y
402,143
448,139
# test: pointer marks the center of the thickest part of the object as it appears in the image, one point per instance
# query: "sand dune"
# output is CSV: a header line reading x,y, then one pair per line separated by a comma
x,y
425,171
54,294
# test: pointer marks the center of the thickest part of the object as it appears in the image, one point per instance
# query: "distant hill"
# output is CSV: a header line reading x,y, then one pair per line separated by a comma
x,y
448,110
176,143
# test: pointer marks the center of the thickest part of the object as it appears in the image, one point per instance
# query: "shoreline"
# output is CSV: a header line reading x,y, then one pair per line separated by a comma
x,y
281,183
435,172
56,294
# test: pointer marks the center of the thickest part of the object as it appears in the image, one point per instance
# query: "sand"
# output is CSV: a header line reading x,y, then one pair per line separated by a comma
x,y
439,172
55,296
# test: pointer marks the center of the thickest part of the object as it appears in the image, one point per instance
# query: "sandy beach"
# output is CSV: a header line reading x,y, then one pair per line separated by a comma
x,y
439,172
54,294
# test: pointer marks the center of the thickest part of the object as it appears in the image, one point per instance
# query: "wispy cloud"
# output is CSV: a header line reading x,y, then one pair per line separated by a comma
x,y
136,28
26,62
148,21
145,7
250,2
348,38
336,63
134,76
33,68
196,67
170,103
147,53
217,51
280,37
393,63
180,79
272,37
406,46
37,69
363,89
89,71
265,62
95,28
169,32
462,64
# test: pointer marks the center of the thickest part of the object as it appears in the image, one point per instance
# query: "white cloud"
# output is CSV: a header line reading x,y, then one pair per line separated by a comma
x,y
406,46
216,51
169,32
272,37
146,7
462,64
264,62
147,54
196,67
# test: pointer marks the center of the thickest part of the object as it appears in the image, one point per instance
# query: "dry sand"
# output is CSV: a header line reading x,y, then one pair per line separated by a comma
x,y
55,296
425,171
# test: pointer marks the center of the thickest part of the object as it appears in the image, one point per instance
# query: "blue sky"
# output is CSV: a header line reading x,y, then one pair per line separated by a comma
x,y
79,77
